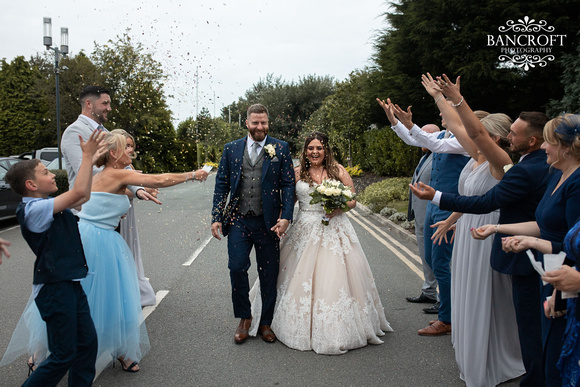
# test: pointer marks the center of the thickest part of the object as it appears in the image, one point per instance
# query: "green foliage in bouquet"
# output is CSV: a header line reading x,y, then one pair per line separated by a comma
x,y
332,194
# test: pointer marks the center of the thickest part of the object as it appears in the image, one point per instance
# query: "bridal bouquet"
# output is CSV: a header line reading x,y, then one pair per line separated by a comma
x,y
331,194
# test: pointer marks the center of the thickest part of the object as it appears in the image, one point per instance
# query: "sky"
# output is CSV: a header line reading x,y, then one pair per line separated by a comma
x,y
232,44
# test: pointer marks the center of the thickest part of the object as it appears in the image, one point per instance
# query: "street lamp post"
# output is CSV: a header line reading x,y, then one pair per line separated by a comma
x,y
63,50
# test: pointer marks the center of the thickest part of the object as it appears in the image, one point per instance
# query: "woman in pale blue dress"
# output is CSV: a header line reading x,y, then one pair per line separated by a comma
x,y
112,286
130,233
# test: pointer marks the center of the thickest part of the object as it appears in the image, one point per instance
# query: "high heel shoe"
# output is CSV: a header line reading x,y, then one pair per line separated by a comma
x,y
129,368
31,365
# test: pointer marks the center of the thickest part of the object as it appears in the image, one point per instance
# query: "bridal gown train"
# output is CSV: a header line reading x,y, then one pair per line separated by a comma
x,y
485,332
327,299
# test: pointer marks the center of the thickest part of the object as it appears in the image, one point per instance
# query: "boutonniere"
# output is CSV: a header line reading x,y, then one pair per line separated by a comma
x,y
507,167
271,150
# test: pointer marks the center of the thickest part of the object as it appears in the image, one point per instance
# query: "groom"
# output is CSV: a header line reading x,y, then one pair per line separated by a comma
x,y
256,171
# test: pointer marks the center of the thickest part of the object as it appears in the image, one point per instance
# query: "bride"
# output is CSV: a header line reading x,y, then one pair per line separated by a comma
x,y
327,299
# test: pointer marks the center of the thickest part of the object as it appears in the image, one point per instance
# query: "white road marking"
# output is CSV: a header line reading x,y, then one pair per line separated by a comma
x,y
8,229
159,296
404,259
390,238
197,252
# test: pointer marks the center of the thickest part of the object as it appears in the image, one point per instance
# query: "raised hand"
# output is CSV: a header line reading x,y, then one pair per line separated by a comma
x,y
450,89
387,107
95,145
406,117
431,86
422,191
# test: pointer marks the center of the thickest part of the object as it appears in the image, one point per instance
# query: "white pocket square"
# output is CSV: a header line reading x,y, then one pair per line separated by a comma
x,y
275,159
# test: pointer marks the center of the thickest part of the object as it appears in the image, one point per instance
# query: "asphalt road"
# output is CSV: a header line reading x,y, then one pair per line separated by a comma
x,y
191,329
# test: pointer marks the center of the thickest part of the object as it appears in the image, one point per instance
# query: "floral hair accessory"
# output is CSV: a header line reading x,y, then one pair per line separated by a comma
x,y
569,128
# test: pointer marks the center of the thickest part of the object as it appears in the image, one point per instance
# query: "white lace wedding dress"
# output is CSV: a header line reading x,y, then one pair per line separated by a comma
x,y
327,299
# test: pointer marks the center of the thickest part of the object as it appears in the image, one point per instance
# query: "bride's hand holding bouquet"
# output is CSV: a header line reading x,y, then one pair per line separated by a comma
x,y
332,195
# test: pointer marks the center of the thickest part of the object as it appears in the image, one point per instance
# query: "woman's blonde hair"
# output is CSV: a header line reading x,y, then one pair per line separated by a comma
x,y
480,114
116,142
127,135
564,130
498,124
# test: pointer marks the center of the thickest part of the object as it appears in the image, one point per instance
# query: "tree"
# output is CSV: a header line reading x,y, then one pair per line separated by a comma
x,y
22,111
570,80
450,37
186,140
289,104
135,80
207,136
345,117
76,72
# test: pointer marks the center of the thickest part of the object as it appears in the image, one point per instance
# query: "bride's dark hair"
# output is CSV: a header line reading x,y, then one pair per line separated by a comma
x,y
329,163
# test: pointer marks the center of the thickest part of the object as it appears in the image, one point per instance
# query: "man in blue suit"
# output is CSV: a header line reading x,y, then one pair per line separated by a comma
x,y
416,211
448,161
517,195
257,174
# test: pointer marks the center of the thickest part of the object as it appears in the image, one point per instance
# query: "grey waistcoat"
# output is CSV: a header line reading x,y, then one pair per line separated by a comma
x,y
251,185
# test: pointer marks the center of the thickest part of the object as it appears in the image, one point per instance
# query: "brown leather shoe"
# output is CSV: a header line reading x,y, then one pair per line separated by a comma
x,y
437,329
241,334
267,335
432,322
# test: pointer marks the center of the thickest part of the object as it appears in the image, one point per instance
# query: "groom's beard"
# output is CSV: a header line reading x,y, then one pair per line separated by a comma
x,y
258,135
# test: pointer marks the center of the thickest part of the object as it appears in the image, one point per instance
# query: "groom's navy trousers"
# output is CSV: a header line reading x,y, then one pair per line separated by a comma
x,y
247,232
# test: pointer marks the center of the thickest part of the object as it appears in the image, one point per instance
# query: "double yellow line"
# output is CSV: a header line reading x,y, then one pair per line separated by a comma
x,y
402,252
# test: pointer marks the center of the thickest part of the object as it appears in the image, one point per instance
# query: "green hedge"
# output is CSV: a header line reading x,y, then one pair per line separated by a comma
x,y
379,151
377,196
61,181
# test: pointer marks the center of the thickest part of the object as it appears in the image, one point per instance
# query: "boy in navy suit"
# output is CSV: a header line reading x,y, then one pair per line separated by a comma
x,y
51,231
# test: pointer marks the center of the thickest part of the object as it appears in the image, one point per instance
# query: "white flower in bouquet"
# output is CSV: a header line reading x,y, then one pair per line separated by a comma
x,y
331,194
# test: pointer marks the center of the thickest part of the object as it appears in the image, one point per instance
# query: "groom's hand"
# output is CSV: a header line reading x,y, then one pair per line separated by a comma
x,y
216,230
280,227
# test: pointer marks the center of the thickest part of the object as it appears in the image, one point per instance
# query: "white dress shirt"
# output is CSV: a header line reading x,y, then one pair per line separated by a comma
x,y
251,142
417,137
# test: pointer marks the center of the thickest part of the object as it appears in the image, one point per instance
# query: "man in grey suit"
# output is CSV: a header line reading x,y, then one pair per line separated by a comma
x,y
96,104
417,210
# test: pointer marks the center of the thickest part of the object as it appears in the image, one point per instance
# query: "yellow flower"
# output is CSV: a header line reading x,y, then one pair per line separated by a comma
x,y
507,167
